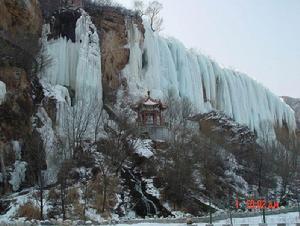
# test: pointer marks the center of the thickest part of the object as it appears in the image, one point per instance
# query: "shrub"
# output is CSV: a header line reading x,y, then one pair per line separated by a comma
x,y
98,202
29,211
79,211
72,196
53,195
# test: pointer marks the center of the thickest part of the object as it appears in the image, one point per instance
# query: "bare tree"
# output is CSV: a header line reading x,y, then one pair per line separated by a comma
x,y
139,7
178,159
3,167
114,150
178,113
83,120
152,12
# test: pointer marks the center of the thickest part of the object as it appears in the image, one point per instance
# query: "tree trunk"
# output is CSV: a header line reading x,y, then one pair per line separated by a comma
x,y
62,197
104,194
210,213
3,171
41,196
264,215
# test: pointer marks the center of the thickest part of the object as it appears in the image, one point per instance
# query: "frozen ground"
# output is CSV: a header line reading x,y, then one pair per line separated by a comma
x,y
290,219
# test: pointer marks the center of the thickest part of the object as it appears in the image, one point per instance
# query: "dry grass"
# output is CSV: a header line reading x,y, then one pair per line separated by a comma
x,y
53,195
72,196
98,202
79,211
29,211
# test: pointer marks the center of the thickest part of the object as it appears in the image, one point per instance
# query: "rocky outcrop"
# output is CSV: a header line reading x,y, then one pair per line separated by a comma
x,y
49,6
21,23
111,23
294,103
20,17
63,24
225,130
20,27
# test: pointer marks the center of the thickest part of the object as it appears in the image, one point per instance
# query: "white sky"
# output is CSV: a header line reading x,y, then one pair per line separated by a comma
x,y
258,37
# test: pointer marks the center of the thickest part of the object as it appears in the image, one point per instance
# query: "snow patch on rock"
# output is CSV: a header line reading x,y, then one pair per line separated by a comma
x,y
143,148
17,149
18,175
2,91
49,140
151,189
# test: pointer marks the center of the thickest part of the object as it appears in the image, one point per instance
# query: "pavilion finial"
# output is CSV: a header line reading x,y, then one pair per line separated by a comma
x,y
148,93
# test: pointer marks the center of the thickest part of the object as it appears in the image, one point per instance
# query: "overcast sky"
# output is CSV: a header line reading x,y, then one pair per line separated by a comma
x,y
258,37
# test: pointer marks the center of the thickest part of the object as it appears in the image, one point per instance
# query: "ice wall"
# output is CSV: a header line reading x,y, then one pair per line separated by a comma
x,y
75,65
74,72
164,63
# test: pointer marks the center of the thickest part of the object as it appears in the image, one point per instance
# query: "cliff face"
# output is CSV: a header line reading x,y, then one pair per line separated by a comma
x,y
20,24
20,17
112,25
20,27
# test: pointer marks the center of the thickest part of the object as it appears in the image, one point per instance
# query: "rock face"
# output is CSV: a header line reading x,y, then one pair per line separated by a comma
x,y
225,130
294,103
20,16
63,24
20,25
111,24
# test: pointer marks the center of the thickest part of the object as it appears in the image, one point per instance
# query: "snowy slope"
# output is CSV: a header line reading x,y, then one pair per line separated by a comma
x,y
164,63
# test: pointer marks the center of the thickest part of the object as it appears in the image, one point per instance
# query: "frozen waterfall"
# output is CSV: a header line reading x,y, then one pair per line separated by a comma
x,y
164,63
73,78
75,65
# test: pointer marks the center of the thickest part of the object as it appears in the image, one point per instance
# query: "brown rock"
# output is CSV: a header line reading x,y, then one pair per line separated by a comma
x,y
111,24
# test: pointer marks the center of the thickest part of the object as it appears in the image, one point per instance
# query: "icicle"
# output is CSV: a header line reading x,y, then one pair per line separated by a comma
x,y
167,64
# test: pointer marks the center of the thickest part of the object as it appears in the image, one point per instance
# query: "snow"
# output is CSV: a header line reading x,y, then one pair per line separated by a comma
x,y
143,148
150,102
169,65
11,213
18,175
17,149
2,91
49,140
63,102
231,173
151,189
289,218
93,215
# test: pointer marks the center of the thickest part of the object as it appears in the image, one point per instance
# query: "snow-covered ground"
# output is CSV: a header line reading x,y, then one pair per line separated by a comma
x,y
272,220
288,218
